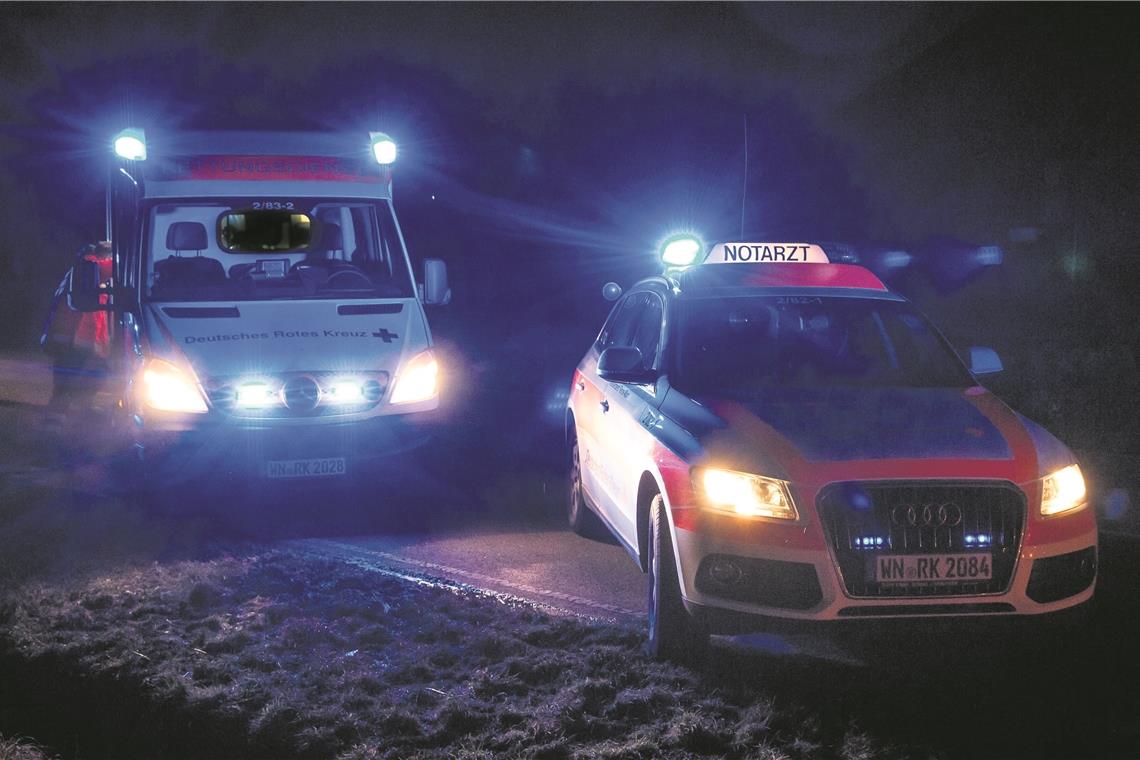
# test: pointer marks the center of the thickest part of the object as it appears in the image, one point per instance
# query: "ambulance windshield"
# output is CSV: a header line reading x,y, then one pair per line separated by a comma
x,y
740,347
274,248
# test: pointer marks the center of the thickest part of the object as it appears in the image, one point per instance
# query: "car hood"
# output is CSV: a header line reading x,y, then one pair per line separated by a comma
x,y
892,423
841,433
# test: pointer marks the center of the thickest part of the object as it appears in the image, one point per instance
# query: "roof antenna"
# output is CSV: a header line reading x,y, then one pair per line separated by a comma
x,y
744,194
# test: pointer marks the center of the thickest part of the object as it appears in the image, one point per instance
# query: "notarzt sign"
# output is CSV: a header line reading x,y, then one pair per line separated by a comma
x,y
752,253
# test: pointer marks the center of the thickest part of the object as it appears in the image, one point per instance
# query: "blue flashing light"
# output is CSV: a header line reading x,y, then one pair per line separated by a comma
x,y
383,148
681,250
969,539
131,144
870,542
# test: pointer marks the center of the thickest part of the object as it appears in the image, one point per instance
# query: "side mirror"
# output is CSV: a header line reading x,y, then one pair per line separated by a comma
x,y
83,291
624,364
984,361
435,289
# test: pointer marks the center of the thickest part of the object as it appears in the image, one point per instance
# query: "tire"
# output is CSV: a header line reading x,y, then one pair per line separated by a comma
x,y
673,634
579,516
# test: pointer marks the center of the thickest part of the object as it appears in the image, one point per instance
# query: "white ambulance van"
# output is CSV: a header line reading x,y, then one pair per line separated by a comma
x,y
266,322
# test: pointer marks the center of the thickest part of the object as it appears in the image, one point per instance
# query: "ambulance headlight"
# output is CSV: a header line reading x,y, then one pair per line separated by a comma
x,y
745,495
131,145
345,391
681,250
383,148
417,381
255,395
167,388
1063,491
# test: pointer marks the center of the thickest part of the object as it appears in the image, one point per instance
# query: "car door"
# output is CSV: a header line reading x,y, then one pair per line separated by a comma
x,y
591,407
622,442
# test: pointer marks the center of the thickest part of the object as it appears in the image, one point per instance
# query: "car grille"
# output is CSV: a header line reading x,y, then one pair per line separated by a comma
x,y
865,520
297,394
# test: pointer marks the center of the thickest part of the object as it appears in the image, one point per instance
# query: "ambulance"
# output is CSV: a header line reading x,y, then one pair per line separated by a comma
x,y
777,439
266,321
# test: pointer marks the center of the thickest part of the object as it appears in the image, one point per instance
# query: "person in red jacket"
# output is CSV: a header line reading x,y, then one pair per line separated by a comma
x,y
78,342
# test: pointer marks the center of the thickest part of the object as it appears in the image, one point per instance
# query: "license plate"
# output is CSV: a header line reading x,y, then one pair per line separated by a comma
x,y
306,468
933,568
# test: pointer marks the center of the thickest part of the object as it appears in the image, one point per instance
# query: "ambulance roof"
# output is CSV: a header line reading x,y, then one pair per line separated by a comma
x,y
265,164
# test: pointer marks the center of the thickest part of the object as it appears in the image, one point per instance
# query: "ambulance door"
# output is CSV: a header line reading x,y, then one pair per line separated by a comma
x,y
125,232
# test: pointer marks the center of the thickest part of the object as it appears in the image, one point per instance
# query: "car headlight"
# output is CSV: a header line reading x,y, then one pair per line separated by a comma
x,y
168,389
745,495
1063,491
417,381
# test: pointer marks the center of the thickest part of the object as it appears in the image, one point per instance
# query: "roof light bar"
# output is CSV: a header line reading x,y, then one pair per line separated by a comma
x,y
131,144
383,148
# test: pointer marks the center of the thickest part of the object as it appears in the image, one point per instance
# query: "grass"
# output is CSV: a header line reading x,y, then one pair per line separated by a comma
x,y
273,654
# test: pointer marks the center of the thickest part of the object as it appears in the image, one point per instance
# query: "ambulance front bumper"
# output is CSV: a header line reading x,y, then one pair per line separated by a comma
x,y
736,583
381,446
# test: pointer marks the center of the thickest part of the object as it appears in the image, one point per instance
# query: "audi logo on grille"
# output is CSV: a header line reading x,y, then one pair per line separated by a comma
x,y
946,515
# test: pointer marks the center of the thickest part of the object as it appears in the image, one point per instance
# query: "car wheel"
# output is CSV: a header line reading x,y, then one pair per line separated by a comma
x,y
673,634
581,518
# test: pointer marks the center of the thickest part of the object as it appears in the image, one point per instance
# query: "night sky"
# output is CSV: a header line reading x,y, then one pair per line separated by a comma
x,y
598,128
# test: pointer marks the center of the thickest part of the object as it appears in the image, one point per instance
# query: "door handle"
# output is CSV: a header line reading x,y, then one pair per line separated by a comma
x,y
605,405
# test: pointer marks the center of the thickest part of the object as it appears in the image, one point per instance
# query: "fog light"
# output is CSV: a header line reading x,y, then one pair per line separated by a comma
x,y
724,571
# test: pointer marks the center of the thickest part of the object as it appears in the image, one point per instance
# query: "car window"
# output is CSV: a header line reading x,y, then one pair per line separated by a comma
x,y
636,321
620,327
647,333
743,346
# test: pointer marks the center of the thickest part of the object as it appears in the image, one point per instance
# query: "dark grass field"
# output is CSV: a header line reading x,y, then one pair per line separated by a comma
x,y
269,654
250,652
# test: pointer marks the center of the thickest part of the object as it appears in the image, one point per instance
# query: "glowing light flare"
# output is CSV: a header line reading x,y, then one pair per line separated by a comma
x,y
1063,491
383,148
681,250
345,391
166,388
131,145
418,381
747,495
256,395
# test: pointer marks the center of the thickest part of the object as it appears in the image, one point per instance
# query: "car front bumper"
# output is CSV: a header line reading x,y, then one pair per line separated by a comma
x,y
789,573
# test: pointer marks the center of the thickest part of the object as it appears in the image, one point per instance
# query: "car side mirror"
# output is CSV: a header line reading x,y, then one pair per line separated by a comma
x,y
984,361
624,364
83,291
435,289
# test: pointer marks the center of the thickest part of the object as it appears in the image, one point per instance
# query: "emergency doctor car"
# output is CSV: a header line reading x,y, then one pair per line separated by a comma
x,y
266,321
772,435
